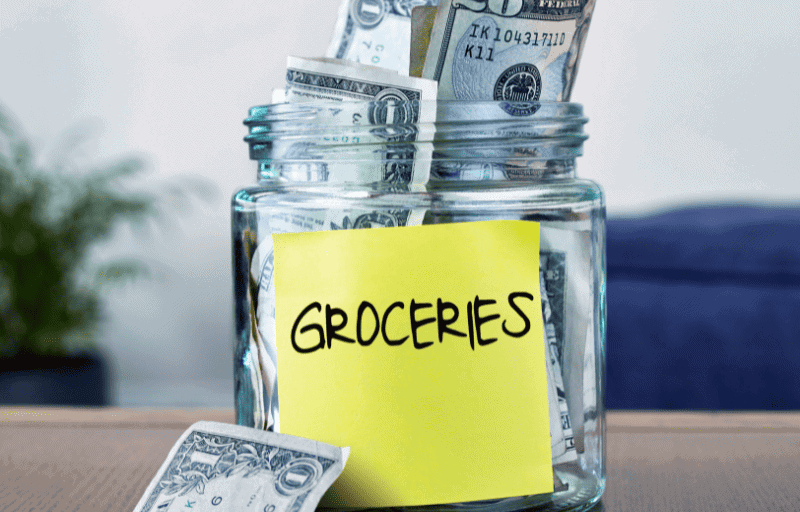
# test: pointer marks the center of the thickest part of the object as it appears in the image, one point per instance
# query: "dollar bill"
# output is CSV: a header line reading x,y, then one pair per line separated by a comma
x,y
590,385
338,80
422,19
375,32
374,140
507,50
558,442
505,145
344,142
227,468
553,275
566,274
576,47
561,435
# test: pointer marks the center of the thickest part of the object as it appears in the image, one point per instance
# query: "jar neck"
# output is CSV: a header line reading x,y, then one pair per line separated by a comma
x,y
465,141
518,171
510,170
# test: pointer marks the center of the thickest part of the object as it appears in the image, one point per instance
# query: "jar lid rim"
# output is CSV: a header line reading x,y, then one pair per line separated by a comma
x,y
440,111
389,140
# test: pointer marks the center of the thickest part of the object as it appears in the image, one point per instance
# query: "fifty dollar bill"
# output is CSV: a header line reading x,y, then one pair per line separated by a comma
x,y
507,50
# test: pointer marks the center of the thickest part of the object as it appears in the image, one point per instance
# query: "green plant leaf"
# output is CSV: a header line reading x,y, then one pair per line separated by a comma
x,y
50,220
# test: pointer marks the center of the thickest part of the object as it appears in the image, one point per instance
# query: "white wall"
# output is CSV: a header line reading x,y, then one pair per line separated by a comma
x,y
692,101
688,100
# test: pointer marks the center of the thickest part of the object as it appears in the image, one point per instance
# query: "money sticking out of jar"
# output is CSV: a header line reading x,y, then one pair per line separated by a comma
x,y
517,50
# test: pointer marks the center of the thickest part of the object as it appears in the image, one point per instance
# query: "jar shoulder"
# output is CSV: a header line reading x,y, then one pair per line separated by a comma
x,y
494,194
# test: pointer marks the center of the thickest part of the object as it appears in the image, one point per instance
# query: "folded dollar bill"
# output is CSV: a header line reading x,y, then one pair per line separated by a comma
x,y
338,80
227,468
422,20
565,258
372,140
375,32
561,435
502,145
512,50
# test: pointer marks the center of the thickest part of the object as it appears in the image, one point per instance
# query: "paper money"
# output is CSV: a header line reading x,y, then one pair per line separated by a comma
x,y
507,50
503,146
563,445
390,110
576,48
323,141
552,267
422,19
566,275
336,80
375,32
589,385
227,468
558,443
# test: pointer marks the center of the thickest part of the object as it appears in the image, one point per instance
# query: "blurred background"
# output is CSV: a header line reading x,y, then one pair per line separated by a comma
x,y
691,104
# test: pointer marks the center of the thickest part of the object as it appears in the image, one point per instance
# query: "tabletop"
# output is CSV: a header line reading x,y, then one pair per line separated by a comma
x,y
102,459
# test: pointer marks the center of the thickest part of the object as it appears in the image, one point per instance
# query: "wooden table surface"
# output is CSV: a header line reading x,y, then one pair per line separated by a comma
x,y
103,459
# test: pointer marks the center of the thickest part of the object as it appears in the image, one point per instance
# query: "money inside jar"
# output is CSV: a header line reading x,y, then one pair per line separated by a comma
x,y
399,69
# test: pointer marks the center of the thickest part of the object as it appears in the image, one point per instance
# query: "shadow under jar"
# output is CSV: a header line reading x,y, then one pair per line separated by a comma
x,y
362,165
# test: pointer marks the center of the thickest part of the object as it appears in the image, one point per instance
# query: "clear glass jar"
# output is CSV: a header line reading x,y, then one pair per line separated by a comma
x,y
379,164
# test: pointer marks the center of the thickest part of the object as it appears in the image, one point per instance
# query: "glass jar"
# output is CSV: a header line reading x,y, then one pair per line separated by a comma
x,y
382,164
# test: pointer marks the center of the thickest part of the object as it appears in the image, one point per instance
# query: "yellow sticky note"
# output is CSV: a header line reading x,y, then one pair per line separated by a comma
x,y
422,349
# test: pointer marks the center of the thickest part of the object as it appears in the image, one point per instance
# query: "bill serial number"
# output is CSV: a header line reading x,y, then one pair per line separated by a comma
x,y
498,35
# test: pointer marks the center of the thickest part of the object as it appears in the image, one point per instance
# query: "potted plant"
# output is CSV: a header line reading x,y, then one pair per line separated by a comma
x,y
51,217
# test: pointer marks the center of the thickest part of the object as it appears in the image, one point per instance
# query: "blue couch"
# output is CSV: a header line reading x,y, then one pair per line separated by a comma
x,y
704,309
